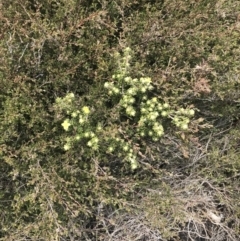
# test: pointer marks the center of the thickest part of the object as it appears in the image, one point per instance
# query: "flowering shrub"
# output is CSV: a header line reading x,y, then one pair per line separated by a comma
x,y
132,98
66,172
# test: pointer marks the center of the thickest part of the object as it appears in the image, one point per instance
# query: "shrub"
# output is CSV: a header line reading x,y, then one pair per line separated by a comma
x,y
78,133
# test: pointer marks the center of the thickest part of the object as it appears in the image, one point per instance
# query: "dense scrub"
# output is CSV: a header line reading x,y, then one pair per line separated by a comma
x,y
119,120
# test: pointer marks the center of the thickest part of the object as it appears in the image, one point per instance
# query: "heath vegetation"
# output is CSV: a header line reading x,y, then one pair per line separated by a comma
x,y
120,120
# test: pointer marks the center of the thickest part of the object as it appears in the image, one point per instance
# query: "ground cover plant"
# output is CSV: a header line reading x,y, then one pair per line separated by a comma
x,y
119,120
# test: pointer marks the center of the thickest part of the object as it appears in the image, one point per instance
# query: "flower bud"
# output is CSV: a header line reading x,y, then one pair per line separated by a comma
x,y
142,133
127,79
154,99
74,114
125,148
106,85
116,90
150,133
110,149
165,105
87,134
85,110
89,144
184,126
164,113
191,112
66,147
